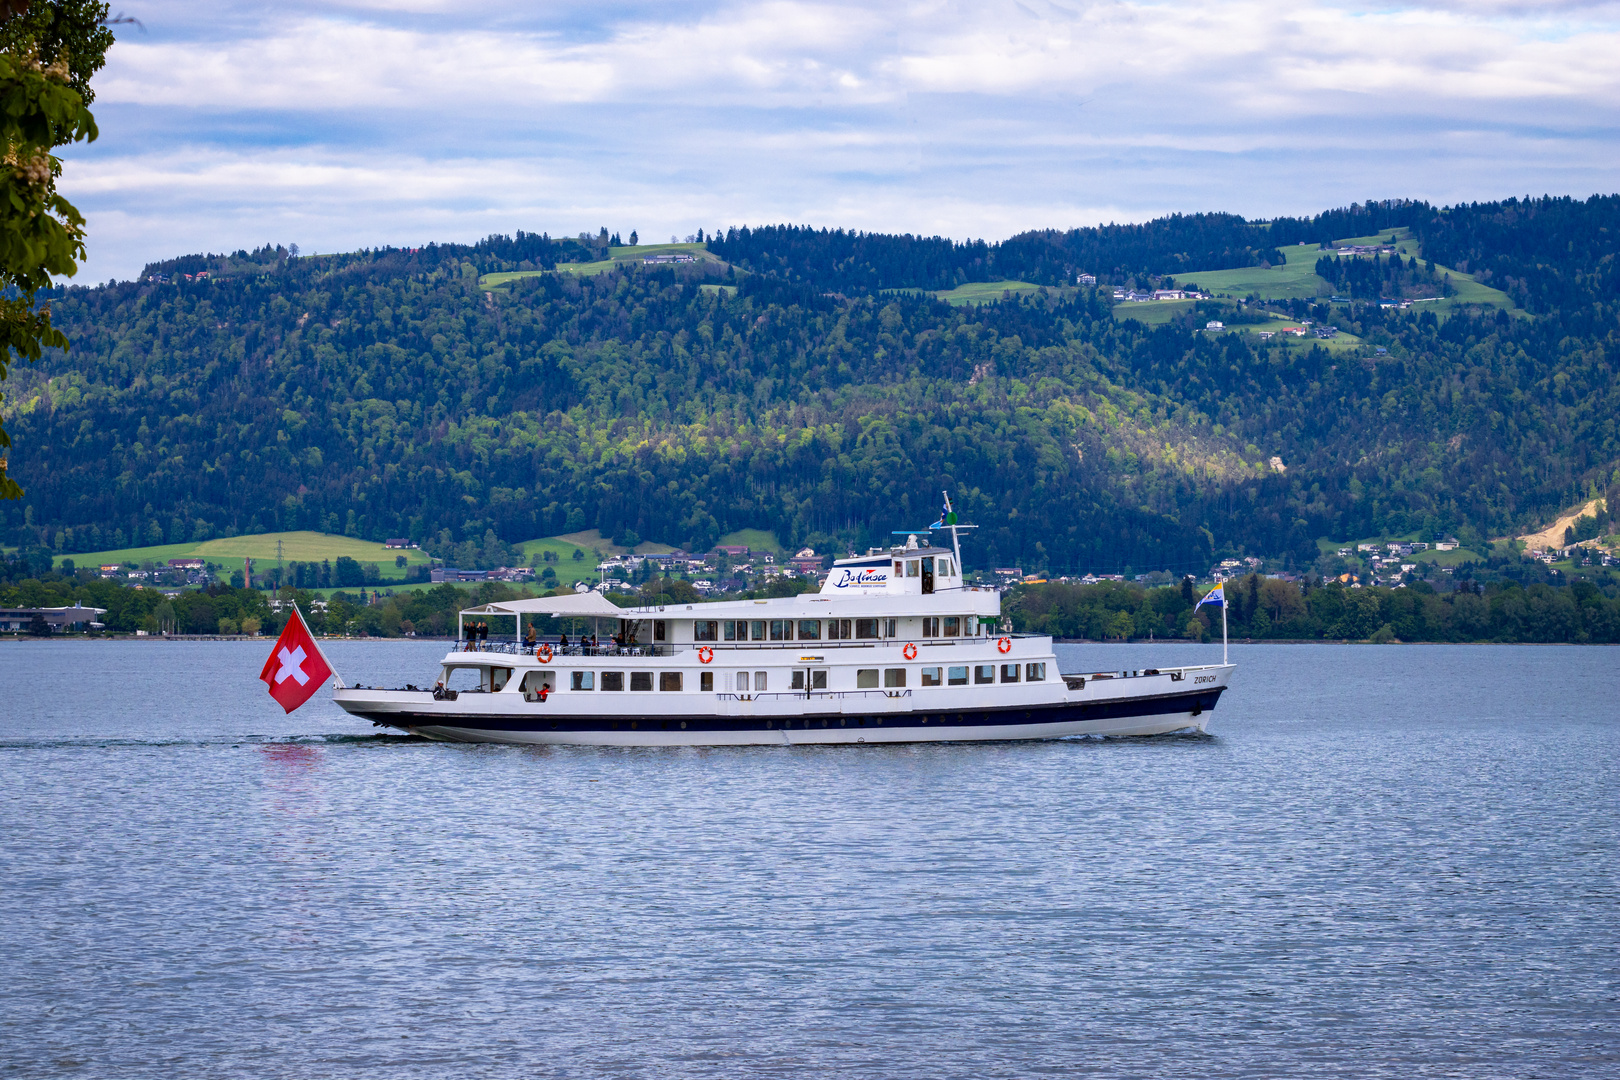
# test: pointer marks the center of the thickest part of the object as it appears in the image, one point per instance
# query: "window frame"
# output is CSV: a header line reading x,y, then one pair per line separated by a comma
x,y
670,682
894,678
640,676
868,678
705,630
952,680
612,677
936,674
582,681
979,678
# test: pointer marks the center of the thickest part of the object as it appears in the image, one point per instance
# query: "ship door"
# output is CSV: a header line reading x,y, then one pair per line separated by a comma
x,y
928,575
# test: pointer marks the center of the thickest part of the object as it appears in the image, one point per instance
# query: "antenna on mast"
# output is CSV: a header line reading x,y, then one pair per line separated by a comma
x,y
947,520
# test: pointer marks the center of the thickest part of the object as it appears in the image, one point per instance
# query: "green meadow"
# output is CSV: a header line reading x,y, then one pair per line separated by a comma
x,y
231,553
1297,280
620,255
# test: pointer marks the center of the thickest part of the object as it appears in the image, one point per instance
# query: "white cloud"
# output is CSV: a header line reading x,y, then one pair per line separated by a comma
x,y
365,124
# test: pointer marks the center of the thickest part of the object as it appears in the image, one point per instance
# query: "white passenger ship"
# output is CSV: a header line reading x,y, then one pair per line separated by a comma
x,y
894,648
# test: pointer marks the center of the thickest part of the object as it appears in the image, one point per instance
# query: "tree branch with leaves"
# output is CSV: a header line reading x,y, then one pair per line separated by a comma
x,y
48,52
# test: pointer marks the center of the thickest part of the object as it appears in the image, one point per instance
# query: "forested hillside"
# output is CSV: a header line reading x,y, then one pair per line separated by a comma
x,y
389,393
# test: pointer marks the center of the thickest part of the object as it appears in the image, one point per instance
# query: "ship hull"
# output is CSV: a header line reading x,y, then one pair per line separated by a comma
x,y
1113,715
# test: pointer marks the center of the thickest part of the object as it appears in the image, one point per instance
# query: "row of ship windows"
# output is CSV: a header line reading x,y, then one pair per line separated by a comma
x,y
821,629
754,682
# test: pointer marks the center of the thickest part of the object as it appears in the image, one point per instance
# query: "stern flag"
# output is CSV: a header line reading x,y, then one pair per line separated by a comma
x,y
296,667
1216,596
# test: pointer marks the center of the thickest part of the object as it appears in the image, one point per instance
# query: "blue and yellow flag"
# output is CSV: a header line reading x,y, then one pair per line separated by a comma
x,y
1216,596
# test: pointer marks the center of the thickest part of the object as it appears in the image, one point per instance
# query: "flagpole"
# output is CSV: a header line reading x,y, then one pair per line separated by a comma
x,y
1223,628
317,643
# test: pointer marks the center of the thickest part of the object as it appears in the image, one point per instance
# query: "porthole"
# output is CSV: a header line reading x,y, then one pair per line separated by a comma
x,y
770,723
634,725
683,725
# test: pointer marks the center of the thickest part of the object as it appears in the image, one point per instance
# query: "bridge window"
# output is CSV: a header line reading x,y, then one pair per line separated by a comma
x,y
838,630
809,629
705,631
913,568
641,680
730,626
612,680
757,629
956,676
866,629
866,678
930,676
781,629
894,677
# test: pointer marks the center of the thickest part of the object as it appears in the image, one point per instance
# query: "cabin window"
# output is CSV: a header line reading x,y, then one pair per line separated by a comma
x,y
809,629
913,568
641,680
818,679
497,679
671,680
866,629
953,626
930,676
582,680
759,681
532,682
1034,672
944,568
660,630
706,682
1009,672
866,678
838,630
781,629
705,631
956,676
984,673
931,626
889,628
797,682
612,680
899,568
758,629
742,682
730,629
894,677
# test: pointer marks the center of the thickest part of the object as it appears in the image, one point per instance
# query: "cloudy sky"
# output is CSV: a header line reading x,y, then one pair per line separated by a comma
x,y
339,125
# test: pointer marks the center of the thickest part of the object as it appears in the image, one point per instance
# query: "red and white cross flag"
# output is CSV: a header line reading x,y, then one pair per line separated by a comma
x,y
296,667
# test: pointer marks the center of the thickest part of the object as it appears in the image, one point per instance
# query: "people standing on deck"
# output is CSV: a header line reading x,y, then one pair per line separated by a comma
x,y
528,639
562,644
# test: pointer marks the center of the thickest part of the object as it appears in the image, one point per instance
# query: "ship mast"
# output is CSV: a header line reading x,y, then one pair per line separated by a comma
x,y
948,520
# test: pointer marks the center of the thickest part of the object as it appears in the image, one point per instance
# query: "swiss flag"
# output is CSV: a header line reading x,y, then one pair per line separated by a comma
x,y
296,667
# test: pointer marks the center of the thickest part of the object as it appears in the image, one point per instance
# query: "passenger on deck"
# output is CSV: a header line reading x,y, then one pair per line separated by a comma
x,y
562,643
528,639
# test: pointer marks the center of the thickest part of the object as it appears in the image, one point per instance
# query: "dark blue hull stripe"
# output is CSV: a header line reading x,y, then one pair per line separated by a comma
x,y
1066,713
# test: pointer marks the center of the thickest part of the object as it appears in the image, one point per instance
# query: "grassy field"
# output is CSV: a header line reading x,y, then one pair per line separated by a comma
x,y
617,256
988,292
231,553
754,540
1297,278
1153,312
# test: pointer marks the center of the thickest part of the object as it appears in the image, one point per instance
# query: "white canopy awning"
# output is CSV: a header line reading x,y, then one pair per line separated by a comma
x,y
588,605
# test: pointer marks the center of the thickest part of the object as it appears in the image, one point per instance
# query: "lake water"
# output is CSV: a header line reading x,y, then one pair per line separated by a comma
x,y
1395,861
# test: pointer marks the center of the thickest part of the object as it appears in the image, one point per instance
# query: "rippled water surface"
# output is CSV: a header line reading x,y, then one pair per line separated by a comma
x,y
1393,861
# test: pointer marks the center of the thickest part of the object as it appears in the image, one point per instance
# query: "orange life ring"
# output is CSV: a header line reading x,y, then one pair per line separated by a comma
x,y
705,654
1004,645
909,652
543,654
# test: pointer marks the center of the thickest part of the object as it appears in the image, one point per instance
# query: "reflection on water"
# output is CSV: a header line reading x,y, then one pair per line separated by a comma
x,y
1380,862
